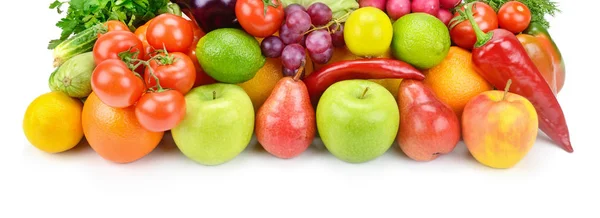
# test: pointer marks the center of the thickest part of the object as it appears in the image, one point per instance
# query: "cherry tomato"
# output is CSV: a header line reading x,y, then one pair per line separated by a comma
x,y
171,32
251,15
175,71
514,16
462,33
140,32
116,85
160,111
201,77
111,44
115,25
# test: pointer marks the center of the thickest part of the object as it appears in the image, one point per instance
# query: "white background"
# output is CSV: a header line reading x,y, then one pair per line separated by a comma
x,y
78,183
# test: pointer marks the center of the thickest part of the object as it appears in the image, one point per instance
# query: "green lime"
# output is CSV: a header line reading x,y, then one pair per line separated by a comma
x,y
421,40
230,55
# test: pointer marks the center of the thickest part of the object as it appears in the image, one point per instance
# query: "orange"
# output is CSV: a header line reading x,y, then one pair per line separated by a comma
x,y
260,86
115,134
455,81
343,54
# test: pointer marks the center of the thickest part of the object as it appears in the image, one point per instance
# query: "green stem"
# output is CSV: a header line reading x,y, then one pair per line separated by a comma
x,y
482,37
334,21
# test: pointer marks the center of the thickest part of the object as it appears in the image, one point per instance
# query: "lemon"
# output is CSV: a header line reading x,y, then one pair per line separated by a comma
x,y
421,40
368,32
52,122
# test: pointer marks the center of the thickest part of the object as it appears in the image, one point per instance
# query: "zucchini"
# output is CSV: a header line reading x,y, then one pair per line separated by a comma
x,y
78,44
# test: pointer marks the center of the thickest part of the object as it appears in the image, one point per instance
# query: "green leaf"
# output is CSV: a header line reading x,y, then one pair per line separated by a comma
x,y
56,5
53,43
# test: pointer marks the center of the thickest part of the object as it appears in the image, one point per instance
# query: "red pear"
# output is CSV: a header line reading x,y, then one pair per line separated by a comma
x,y
428,127
285,123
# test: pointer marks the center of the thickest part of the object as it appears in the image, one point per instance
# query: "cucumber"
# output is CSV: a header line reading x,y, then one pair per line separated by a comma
x,y
78,44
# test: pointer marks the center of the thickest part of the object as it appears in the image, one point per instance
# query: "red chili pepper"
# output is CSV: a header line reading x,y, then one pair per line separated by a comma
x,y
377,68
499,56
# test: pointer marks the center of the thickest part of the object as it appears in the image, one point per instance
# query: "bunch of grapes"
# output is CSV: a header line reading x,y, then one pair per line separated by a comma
x,y
311,30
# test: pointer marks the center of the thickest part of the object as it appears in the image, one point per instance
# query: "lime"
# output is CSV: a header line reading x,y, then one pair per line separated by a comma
x,y
230,55
421,40
368,32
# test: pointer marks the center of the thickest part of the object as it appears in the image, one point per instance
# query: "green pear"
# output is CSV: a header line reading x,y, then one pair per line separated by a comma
x,y
357,120
218,124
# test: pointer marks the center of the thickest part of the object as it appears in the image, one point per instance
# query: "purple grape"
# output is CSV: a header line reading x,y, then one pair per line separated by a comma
x,y
288,36
337,35
292,8
320,13
303,41
298,21
318,41
292,56
288,72
322,58
272,47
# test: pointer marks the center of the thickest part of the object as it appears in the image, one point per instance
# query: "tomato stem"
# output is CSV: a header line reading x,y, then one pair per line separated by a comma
x,y
267,4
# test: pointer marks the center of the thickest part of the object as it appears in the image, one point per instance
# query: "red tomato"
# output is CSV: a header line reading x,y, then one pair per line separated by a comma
x,y
174,72
115,25
251,15
461,31
171,32
160,111
201,77
140,32
116,85
514,16
111,44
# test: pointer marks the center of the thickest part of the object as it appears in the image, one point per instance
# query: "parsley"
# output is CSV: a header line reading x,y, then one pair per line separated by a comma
x,y
539,8
83,14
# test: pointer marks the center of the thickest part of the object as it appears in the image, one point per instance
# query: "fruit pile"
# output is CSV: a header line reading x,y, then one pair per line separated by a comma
x,y
359,75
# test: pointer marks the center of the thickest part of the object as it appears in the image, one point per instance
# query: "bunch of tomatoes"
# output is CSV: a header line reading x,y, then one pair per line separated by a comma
x,y
513,16
151,69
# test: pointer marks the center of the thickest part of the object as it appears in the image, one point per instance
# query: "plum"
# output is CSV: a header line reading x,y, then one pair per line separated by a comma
x,y
444,15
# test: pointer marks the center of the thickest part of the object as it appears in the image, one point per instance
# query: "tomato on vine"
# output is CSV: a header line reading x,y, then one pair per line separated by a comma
x,y
461,31
111,44
514,16
174,71
160,111
116,85
170,32
260,18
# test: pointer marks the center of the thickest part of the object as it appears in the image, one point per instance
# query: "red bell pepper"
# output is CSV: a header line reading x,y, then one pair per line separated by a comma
x,y
376,68
498,57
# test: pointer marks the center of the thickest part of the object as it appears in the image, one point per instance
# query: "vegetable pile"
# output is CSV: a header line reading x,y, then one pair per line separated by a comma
x,y
365,74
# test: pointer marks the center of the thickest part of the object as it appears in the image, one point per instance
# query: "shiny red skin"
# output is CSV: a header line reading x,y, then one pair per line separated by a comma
x,y
179,75
116,85
112,43
201,77
160,111
171,32
252,17
375,68
428,127
514,16
285,123
463,35
503,58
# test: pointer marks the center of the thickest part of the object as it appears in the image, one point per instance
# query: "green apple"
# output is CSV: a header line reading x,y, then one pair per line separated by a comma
x,y
357,120
218,124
